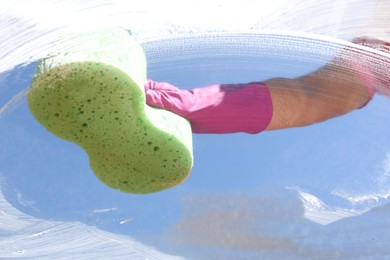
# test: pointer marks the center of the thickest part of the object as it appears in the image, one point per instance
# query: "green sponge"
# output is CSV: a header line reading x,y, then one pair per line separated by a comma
x,y
93,95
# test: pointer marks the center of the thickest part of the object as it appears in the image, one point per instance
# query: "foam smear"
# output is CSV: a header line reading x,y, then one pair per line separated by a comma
x,y
25,236
29,27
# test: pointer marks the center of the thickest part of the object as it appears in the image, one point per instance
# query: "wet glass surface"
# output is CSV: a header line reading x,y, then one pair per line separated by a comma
x,y
314,192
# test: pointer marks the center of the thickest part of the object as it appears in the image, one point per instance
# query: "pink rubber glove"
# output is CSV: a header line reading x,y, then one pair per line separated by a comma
x,y
374,79
216,109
